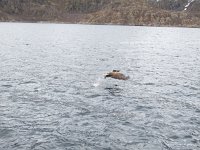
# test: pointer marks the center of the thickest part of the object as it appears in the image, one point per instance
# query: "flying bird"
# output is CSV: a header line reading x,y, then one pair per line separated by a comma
x,y
115,74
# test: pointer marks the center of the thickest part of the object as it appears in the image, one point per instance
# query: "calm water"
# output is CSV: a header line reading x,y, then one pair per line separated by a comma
x,y
53,94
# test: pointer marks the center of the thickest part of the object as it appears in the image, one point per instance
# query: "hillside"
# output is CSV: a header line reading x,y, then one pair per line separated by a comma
x,y
126,12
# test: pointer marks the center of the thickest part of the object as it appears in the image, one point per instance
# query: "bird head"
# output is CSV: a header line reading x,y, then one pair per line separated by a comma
x,y
108,75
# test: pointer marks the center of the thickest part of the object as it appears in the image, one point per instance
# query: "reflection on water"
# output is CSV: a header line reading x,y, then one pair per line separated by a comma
x,y
114,91
53,94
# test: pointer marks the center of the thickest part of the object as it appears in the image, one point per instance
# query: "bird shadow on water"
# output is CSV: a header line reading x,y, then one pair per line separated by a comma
x,y
114,90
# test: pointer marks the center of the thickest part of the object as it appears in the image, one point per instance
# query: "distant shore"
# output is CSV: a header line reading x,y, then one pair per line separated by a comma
x,y
169,13
85,23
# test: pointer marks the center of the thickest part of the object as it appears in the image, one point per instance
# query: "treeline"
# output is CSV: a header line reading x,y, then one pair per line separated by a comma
x,y
20,6
85,6
175,5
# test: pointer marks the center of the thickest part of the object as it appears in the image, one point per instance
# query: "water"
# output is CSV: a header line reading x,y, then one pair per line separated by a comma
x,y
53,94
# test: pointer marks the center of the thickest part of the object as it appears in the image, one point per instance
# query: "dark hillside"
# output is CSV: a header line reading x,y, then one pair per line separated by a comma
x,y
126,12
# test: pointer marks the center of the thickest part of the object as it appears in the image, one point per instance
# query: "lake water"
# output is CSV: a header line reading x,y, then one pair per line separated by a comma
x,y
53,94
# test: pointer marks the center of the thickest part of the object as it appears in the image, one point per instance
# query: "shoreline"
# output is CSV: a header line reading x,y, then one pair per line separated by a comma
x,y
98,24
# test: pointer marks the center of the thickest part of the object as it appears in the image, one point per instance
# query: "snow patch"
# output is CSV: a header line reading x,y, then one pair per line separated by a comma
x,y
189,2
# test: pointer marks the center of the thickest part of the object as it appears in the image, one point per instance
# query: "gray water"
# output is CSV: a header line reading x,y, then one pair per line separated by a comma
x,y
53,94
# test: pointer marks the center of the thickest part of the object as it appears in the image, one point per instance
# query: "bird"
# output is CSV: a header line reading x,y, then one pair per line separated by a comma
x,y
115,74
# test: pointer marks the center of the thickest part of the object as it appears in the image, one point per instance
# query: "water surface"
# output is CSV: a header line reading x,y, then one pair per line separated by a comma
x,y
53,94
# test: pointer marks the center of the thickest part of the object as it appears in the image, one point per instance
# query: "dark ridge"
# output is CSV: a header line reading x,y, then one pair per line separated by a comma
x,y
124,12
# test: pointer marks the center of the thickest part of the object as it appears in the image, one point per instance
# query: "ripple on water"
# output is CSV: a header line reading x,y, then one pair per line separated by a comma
x,y
144,108
7,85
27,82
83,112
6,133
58,91
93,96
28,86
